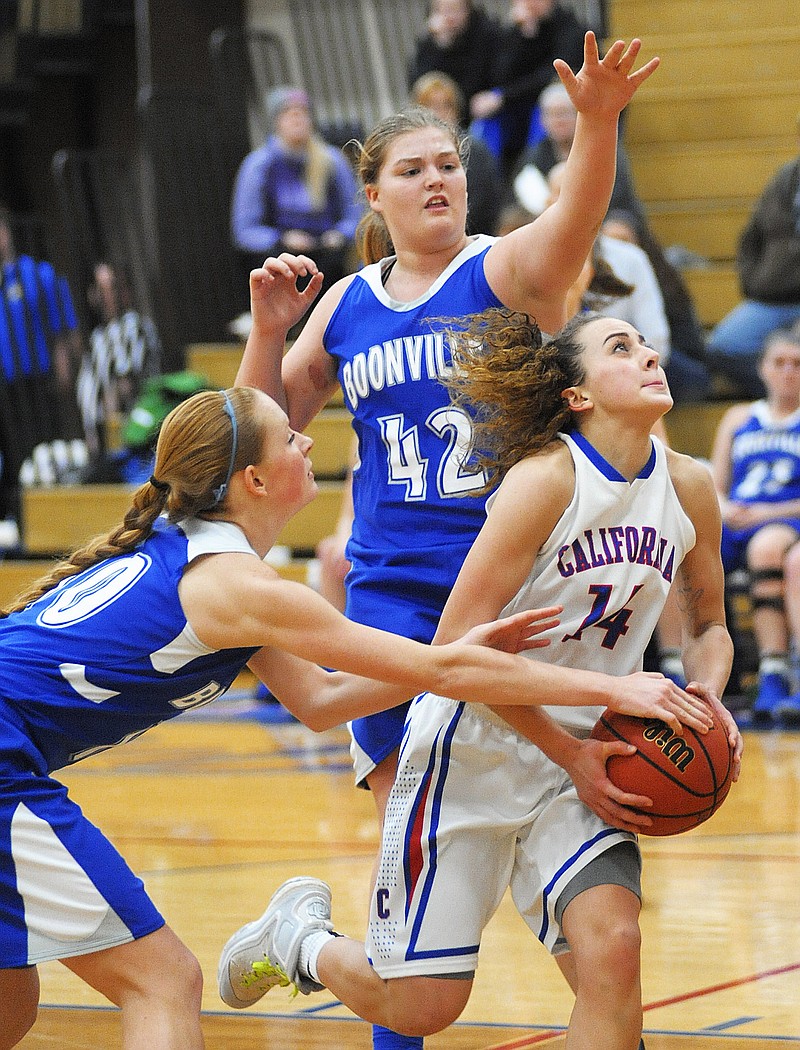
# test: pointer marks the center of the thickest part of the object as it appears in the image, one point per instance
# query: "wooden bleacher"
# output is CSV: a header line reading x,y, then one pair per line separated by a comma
x,y
715,292
714,123
704,136
220,362
691,427
55,520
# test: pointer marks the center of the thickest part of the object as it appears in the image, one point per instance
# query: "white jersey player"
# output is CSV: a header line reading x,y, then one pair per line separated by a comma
x,y
592,510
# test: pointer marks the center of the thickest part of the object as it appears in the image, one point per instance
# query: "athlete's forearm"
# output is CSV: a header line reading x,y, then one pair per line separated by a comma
x,y
260,366
708,657
537,726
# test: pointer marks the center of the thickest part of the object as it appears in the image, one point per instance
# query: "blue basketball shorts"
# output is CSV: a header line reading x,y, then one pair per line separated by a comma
x,y
735,541
64,889
403,592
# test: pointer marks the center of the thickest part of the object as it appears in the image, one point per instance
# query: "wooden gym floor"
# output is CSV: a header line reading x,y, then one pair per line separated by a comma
x,y
218,807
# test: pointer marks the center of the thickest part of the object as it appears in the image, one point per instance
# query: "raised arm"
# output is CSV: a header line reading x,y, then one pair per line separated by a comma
x,y
532,269
303,380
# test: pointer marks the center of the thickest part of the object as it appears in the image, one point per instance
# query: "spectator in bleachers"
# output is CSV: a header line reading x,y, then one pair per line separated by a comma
x,y
539,32
40,308
459,40
295,193
756,467
124,350
558,120
643,307
768,262
39,348
485,186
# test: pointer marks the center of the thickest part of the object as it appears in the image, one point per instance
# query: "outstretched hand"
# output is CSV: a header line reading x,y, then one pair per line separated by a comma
x,y
275,299
516,633
647,694
603,87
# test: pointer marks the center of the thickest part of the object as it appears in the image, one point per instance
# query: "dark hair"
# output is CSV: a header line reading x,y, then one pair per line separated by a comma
x,y
605,284
511,382
193,457
373,239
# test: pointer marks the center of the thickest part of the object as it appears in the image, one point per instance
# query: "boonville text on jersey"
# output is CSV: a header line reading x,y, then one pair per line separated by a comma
x,y
613,546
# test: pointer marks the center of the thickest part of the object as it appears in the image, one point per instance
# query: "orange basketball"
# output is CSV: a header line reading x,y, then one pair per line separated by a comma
x,y
687,775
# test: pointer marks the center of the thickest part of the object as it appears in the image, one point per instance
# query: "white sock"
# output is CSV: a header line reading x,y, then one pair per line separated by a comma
x,y
310,947
774,663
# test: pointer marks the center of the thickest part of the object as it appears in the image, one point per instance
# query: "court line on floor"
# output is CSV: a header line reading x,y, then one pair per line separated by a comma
x,y
521,1044
723,986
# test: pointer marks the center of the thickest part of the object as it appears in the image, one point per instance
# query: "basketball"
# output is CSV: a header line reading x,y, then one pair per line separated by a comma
x,y
687,776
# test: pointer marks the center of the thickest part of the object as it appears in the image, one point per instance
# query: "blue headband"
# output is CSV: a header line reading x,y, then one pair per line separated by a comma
x,y
219,493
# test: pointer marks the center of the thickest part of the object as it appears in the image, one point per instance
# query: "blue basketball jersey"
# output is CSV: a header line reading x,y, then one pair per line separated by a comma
x,y
109,653
765,458
39,306
412,486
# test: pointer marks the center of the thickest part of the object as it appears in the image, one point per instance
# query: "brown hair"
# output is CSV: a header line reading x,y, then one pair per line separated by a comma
x,y
193,456
429,83
605,283
510,381
373,239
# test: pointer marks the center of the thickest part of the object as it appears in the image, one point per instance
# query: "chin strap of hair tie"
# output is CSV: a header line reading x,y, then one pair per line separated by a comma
x,y
219,493
162,486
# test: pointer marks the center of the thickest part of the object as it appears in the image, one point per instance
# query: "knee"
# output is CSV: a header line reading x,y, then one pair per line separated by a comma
x,y
612,958
184,984
176,987
430,1011
767,549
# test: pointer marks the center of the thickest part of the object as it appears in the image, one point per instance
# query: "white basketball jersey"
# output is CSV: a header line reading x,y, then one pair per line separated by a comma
x,y
610,562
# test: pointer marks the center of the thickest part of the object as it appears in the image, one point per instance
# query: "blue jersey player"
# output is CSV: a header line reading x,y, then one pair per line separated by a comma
x,y
417,505
756,463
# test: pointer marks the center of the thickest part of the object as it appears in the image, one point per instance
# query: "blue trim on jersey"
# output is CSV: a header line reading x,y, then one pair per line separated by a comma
x,y
412,839
602,463
565,867
432,838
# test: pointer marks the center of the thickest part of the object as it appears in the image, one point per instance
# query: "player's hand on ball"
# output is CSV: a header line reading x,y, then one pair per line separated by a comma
x,y
723,715
516,633
648,694
589,774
